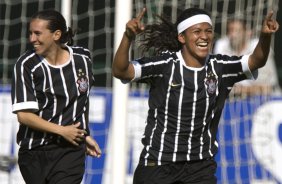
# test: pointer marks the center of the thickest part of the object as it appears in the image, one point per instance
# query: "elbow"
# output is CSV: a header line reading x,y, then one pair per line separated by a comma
x,y
24,117
256,62
116,70
124,73
21,117
116,73
262,65
120,75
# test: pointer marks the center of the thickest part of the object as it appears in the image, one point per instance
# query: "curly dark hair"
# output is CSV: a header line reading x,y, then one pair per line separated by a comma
x,y
162,36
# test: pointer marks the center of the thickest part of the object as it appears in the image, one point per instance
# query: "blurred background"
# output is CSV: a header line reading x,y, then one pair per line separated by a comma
x,y
250,132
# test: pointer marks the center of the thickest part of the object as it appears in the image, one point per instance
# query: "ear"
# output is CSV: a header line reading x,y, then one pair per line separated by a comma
x,y
57,35
181,38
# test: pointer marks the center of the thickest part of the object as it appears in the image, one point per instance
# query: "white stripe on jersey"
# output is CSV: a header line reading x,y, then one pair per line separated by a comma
x,y
179,112
151,137
166,116
77,92
88,90
138,66
157,62
227,61
204,122
22,77
30,140
51,88
193,114
212,114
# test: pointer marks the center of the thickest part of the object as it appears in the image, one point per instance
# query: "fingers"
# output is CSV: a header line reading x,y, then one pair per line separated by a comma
x,y
77,139
74,134
139,18
93,148
80,136
74,143
76,124
134,26
95,152
141,14
270,24
269,15
81,132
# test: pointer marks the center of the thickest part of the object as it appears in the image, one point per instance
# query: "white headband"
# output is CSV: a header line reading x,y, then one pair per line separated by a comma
x,y
196,19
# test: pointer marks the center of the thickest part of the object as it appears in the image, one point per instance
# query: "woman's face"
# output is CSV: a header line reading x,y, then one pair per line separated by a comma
x,y
198,40
42,39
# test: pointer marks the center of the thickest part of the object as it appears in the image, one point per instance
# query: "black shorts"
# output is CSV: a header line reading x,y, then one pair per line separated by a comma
x,y
196,172
60,164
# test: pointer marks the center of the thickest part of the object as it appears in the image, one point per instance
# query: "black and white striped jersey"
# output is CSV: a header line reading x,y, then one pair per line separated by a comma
x,y
59,94
185,104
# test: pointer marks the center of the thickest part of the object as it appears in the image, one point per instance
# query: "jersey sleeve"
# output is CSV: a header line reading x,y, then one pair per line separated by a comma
x,y
246,70
232,69
23,93
149,68
137,72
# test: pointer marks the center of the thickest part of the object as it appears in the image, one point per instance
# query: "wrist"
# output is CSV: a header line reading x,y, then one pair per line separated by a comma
x,y
128,35
59,130
262,34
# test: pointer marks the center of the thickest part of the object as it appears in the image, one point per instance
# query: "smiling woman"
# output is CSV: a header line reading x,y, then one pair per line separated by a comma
x,y
197,41
50,96
188,90
48,34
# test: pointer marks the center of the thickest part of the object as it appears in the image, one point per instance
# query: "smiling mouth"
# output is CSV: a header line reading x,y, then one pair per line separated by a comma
x,y
36,46
203,44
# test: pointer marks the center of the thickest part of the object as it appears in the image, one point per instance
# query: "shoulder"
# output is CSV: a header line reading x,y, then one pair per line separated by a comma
x,y
163,58
169,55
223,58
78,50
28,57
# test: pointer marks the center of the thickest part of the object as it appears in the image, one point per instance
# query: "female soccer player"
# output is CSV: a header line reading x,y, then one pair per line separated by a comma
x,y
188,88
50,95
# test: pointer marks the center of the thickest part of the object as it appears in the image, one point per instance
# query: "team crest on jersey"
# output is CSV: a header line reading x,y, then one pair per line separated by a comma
x,y
211,83
82,81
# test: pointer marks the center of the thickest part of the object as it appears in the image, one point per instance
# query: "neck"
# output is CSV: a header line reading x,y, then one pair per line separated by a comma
x,y
58,56
193,61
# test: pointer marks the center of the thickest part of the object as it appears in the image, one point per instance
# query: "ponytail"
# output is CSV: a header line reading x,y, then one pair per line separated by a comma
x,y
67,37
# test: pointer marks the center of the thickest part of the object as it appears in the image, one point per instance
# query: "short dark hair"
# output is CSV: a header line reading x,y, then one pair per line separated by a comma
x,y
56,21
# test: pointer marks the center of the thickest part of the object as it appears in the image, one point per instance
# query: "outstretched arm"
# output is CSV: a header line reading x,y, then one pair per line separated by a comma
x,y
259,57
121,67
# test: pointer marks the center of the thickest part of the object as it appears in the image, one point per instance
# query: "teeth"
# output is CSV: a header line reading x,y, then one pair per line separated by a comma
x,y
204,44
